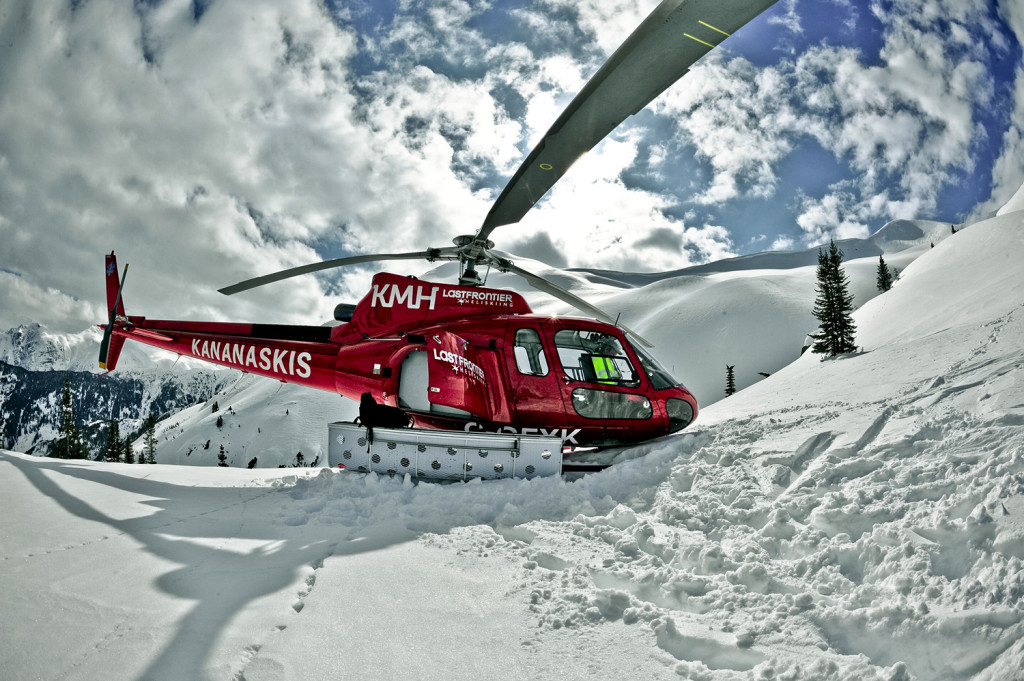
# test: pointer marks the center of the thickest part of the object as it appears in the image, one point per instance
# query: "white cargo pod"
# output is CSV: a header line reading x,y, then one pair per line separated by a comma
x,y
443,455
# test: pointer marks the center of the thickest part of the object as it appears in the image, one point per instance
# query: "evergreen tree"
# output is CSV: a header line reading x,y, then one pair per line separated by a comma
x,y
129,452
149,441
69,443
730,380
884,278
833,306
222,458
220,421
216,407
112,452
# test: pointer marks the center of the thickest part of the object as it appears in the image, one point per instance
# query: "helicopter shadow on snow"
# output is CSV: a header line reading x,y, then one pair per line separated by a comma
x,y
187,528
287,532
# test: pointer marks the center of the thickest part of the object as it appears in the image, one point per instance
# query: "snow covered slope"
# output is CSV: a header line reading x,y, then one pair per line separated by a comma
x,y
259,419
1014,204
859,518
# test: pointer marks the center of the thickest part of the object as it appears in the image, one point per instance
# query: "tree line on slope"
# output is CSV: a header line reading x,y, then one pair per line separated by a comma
x,y
833,308
71,444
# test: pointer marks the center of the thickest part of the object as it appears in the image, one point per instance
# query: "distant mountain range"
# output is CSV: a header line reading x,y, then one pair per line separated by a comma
x,y
34,365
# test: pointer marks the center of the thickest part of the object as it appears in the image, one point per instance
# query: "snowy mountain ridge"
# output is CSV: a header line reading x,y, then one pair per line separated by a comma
x,y
35,363
32,347
36,348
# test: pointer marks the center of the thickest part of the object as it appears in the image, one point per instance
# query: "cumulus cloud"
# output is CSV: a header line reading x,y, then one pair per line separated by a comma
x,y
199,150
595,220
729,112
213,148
1008,170
905,125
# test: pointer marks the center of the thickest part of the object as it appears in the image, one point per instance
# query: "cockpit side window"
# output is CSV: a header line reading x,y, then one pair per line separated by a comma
x,y
659,377
529,353
594,357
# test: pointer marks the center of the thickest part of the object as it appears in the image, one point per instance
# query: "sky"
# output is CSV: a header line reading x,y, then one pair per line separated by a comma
x,y
208,142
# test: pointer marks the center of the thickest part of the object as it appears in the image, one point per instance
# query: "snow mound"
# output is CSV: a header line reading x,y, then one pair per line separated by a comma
x,y
1015,203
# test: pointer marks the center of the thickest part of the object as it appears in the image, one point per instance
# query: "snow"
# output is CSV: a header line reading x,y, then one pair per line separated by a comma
x,y
270,421
1015,203
858,518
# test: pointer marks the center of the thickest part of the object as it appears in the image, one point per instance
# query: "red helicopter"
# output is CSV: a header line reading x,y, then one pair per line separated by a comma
x,y
462,356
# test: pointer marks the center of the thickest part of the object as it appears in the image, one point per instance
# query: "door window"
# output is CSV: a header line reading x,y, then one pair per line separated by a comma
x,y
594,357
604,404
529,353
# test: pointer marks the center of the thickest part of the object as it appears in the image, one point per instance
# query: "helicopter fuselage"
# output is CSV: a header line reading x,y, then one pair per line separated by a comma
x,y
453,357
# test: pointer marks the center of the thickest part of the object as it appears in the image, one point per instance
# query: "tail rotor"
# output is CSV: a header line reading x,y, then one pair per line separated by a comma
x,y
110,346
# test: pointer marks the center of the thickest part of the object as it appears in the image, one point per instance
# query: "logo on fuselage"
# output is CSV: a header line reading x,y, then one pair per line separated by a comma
x,y
412,296
460,365
275,360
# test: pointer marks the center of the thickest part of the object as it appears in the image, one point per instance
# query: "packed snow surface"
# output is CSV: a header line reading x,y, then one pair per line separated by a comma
x,y
851,519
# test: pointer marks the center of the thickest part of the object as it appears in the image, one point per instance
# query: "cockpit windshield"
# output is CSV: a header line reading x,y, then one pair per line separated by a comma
x,y
660,378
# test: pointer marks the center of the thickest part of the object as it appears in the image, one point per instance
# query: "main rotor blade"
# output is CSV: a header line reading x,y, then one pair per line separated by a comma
x,y
658,53
429,255
542,284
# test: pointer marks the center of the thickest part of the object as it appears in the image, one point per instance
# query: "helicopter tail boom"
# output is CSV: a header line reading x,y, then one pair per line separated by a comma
x,y
295,354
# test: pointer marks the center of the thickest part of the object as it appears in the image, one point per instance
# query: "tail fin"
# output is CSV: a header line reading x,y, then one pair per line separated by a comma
x,y
110,347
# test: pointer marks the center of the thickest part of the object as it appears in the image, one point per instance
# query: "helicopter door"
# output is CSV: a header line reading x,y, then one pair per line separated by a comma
x,y
600,384
535,390
455,379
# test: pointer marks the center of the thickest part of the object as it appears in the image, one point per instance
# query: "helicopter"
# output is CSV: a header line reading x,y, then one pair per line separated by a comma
x,y
462,356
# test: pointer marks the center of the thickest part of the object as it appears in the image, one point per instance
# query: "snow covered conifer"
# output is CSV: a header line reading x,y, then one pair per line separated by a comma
x,y
69,443
833,306
112,452
884,279
149,446
222,458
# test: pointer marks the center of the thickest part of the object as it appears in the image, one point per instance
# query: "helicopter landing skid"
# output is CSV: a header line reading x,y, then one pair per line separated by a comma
x,y
442,455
